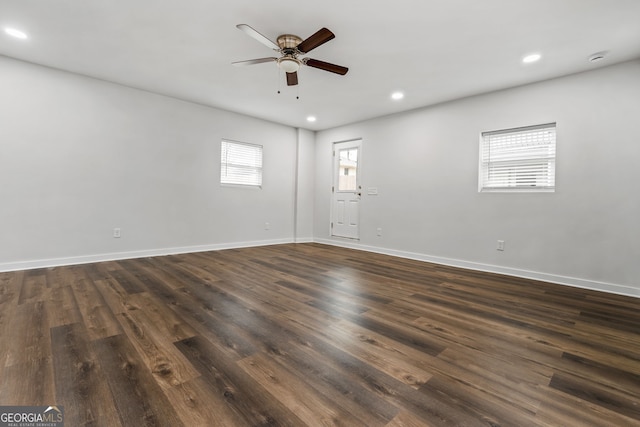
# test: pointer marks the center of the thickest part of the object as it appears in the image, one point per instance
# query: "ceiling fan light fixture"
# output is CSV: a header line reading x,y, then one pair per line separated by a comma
x,y
288,64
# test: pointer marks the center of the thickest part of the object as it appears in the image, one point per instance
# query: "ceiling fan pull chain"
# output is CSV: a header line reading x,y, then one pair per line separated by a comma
x,y
279,78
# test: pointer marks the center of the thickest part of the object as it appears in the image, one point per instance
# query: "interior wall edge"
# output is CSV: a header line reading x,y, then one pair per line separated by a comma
x,y
509,271
304,240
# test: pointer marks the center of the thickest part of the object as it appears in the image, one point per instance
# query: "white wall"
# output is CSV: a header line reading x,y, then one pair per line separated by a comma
x,y
305,185
425,166
79,156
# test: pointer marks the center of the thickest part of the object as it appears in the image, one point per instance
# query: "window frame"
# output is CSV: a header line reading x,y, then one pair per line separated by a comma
x,y
225,180
484,164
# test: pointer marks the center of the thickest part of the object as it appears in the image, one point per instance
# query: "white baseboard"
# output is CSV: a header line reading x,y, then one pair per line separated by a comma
x,y
545,277
87,259
304,240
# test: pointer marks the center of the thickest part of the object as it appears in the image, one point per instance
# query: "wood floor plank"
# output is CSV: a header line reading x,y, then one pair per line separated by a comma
x,y
213,325
562,409
476,402
168,365
80,388
494,377
164,271
130,277
165,321
34,287
198,403
97,317
591,391
309,405
406,419
27,338
138,398
343,387
268,297
260,331
27,377
62,307
56,277
247,398
28,383
10,286
394,358
474,332
424,405
114,295
607,375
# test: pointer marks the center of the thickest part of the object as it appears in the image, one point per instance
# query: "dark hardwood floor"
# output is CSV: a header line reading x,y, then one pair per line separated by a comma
x,y
309,334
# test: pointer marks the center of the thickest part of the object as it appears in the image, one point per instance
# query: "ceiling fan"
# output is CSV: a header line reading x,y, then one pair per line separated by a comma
x,y
291,49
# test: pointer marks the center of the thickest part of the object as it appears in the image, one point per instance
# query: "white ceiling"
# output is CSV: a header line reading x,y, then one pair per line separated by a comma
x,y
433,50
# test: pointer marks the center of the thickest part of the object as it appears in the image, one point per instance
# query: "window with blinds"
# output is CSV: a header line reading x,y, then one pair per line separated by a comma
x,y
241,164
521,159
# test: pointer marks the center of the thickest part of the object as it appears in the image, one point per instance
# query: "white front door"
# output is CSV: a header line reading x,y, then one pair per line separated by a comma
x,y
346,191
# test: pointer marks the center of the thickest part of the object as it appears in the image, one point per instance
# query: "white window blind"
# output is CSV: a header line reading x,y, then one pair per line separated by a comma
x,y
521,159
241,164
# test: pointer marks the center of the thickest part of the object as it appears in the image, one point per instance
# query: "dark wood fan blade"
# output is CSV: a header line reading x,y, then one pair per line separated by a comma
x,y
338,69
320,37
256,35
292,78
253,61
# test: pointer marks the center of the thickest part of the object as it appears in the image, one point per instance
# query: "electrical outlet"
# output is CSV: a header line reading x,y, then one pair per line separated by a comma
x,y
267,226
379,232
116,233
500,246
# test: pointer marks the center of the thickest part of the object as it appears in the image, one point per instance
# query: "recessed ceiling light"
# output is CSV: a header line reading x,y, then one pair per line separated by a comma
x,y
397,95
311,119
531,58
15,33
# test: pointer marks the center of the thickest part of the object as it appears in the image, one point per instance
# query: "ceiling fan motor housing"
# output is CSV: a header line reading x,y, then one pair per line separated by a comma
x,y
288,41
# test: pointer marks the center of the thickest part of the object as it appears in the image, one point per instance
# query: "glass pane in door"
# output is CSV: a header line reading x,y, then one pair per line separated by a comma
x,y
348,169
